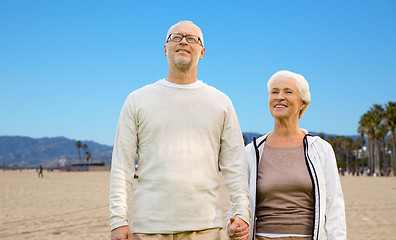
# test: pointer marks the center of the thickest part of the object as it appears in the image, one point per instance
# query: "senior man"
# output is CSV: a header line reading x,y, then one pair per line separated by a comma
x,y
182,130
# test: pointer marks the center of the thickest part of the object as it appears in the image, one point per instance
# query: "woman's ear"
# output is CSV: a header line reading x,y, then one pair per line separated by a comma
x,y
303,104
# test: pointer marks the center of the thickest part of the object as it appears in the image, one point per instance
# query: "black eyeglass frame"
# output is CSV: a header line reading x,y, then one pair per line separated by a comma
x,y
184,36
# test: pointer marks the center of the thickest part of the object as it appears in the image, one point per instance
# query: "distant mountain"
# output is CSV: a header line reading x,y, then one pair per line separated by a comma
x,y
16,151
325,135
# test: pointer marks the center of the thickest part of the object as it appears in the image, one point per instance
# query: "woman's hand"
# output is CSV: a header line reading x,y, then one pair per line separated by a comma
x,y
238,229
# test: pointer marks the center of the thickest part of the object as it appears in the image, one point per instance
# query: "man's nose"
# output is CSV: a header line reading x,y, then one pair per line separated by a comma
x,y
184,40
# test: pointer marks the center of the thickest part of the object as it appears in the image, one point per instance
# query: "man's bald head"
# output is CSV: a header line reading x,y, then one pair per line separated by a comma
x,y
186,27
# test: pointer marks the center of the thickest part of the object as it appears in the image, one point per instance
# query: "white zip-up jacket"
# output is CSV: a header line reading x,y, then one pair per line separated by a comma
x,y
329,209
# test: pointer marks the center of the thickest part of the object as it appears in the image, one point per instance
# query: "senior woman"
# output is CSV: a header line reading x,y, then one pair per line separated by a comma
x,y
295,190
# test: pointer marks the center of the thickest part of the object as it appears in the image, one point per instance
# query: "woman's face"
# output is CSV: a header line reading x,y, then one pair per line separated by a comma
x,y
284,99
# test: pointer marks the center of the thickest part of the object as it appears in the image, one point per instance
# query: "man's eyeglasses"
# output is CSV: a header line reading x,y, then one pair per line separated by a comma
x,y
176,37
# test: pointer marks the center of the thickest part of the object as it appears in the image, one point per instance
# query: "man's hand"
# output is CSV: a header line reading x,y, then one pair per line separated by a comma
x,y
121,233
238,229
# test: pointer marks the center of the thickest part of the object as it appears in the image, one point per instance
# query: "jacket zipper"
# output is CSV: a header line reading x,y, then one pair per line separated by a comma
x,y
315,186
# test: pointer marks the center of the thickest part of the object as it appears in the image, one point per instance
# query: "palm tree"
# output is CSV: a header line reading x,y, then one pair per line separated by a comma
x,y
361,130
377,112
382,131
356,145
366,128
390,120
388,151
84,147
78,145
340,153
346,145
87,156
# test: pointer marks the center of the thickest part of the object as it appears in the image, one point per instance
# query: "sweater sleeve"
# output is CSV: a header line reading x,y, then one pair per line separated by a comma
x,y
122,165
335,224
233,165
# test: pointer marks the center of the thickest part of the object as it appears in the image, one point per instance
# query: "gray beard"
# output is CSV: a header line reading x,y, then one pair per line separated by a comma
x,y
183,64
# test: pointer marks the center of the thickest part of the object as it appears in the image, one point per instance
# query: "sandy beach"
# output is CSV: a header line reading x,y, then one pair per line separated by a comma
x,y
74,205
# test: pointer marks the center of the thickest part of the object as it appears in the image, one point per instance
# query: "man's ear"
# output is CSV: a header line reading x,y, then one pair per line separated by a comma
x,y
165,50
202,53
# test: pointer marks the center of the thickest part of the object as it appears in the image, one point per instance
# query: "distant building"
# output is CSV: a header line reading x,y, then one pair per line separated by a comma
x,y
361,153
86,166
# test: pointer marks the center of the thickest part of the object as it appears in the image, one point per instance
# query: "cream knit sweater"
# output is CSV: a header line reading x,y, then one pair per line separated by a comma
x,y
180,135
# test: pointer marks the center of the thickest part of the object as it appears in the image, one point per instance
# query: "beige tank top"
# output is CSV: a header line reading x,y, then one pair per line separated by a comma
x,y
284,192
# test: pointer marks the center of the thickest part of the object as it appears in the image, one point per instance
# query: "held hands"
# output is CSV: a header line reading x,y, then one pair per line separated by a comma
x,y
121,233
238,229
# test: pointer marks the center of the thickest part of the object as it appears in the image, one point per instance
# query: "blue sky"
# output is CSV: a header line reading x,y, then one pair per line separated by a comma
x,y
66,67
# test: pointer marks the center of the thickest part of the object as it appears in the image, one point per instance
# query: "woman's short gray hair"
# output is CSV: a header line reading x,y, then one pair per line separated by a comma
x,y
302,86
